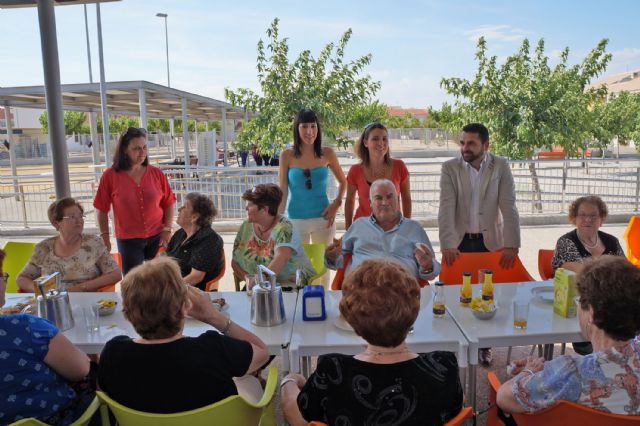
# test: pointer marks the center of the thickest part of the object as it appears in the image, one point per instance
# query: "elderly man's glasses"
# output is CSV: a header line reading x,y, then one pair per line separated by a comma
x,y
307,175
75,217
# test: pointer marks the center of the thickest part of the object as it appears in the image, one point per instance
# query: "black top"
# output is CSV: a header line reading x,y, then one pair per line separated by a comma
x,y
182,375
569,248
203,251
345,391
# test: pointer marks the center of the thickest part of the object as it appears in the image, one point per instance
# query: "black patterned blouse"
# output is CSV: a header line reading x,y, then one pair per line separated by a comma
x,y
345,391
203,251
569,248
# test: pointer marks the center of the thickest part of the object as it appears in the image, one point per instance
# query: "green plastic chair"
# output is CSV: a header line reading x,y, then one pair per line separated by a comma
x,y
83,420
315,252
18,254
233,410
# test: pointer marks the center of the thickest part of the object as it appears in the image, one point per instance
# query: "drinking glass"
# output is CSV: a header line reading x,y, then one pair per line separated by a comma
x,y
481,275
92,318
520,313
250,280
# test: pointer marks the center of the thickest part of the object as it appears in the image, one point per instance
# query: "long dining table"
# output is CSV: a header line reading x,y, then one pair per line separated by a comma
x,y
297,340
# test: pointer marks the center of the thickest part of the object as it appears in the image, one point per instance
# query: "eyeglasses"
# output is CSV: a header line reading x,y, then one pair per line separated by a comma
x,y
75,217
583,216
307,174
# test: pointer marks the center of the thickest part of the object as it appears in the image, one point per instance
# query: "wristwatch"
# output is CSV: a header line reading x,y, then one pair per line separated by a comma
x,y
5,276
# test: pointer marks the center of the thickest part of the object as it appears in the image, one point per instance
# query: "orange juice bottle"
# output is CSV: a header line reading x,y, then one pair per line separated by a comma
x,y
465,291
487,287
439,301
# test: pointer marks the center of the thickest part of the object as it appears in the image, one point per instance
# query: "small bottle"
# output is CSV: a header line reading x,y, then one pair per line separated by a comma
x,y
439,300
487,287
466,292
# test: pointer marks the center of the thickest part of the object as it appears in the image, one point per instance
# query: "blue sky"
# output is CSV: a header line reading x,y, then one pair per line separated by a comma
x,y
212,44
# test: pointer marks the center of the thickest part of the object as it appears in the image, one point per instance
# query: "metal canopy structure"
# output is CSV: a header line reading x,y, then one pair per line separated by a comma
x,y
137,98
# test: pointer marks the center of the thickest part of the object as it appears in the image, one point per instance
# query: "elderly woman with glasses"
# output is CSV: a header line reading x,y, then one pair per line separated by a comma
x,y
609,378
82,259
587,214
142,201
303,175
198,249
387,383
267,238
375,163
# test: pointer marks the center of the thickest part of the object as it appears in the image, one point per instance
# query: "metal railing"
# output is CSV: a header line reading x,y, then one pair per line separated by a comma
x,y
542,188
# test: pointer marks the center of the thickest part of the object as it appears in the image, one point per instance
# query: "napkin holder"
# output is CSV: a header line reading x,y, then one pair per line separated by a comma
x,y
313,306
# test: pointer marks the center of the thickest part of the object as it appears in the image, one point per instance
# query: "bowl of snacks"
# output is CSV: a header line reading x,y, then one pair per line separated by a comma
x,y
107,306
483,309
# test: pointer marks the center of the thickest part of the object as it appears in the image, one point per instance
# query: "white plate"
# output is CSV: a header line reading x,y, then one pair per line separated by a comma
x,y
342,324
544,293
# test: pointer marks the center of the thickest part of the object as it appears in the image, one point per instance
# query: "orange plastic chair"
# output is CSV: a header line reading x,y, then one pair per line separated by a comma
x,y
632,236
561,414
465,413
472,262
336,284
213,284
544,264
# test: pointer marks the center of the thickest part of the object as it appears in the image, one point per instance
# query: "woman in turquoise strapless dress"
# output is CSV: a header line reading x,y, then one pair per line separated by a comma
x,y
304,170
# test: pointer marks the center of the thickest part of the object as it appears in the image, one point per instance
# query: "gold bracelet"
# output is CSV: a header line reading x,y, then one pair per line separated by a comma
x,y
227,327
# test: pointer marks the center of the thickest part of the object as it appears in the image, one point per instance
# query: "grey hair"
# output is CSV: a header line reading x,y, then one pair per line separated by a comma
x,y
381,182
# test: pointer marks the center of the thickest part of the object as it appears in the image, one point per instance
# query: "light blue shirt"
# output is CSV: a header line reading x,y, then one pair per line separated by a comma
x,y
366,240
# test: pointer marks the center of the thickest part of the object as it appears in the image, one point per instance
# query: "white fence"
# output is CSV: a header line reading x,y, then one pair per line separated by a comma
x,y
549,191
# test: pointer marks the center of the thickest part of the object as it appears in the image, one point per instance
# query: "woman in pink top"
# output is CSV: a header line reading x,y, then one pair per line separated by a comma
x,y
376,163
142,201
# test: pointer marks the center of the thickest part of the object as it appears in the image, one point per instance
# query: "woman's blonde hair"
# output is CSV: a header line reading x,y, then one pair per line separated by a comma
x,y
153,298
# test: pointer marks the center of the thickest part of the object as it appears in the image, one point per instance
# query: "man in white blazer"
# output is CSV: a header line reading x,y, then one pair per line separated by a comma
x,y
478,205
477,201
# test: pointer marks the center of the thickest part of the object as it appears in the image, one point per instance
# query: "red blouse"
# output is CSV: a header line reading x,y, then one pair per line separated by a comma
x,y
355,177
138,210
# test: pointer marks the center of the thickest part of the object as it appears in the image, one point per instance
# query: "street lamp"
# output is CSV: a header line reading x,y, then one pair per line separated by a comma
x,y
166,36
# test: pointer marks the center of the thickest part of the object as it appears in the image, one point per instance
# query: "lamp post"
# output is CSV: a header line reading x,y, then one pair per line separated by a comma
x,y
166,37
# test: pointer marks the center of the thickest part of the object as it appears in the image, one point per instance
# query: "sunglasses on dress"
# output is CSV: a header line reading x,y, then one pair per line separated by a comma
x,y
307,174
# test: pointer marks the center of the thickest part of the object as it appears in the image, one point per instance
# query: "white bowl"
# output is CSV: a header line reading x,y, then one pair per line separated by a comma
x,y
482,315
103,312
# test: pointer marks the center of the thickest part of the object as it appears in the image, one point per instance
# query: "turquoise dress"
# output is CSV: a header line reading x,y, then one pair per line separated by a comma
x,y
307,192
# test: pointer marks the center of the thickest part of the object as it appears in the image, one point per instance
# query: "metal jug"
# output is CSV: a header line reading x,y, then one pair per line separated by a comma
x,y
54,304
267,305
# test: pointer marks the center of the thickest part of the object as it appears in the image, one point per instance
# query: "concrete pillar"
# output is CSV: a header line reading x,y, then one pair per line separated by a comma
x,y
142,100
185,133
224,136
103,94
12,147
53,91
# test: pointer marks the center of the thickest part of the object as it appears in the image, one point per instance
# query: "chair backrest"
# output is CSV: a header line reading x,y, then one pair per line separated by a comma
x,y
561,414
233,410
632,236
212,285
315,252
544,264
83,420
465,413
18,254
472,262
338,278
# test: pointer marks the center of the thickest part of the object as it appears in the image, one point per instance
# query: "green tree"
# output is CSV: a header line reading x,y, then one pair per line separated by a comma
x,y
526,104
445,118
74,122
407,121
329,85
617,118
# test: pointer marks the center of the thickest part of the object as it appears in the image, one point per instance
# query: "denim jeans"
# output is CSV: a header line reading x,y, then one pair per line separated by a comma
x,y
134,251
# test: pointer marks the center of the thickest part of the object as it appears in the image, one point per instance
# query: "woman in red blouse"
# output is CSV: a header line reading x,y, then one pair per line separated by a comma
x,y
142,201
376,163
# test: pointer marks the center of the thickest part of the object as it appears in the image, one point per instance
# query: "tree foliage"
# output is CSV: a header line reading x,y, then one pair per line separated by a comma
x,y
617,118
361,115
329,85
526,103
74,122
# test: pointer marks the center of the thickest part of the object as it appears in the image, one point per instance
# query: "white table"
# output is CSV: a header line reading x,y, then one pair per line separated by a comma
x,y
543,327
276,338
312,338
